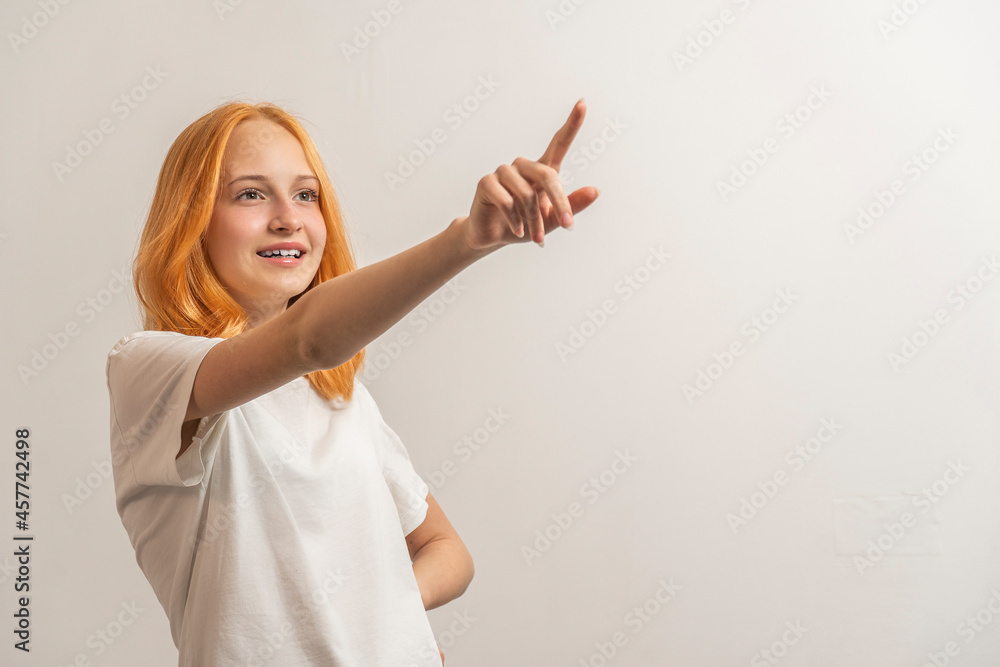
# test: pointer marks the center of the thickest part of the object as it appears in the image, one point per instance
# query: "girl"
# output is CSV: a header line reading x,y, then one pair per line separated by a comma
x,y
275,514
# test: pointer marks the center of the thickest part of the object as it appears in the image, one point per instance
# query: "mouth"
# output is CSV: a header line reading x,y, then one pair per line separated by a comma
x,y
291,252
284,257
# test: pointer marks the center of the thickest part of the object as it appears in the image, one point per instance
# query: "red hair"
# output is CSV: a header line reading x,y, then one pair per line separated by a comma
x,y
173,277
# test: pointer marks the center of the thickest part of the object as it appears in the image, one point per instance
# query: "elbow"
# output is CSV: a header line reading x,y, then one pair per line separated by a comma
x,y
312,353
309,353
302,337
316,351
469,571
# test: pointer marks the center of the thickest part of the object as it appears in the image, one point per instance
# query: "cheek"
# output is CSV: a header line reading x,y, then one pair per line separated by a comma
x,y
223,245
319,234
213,247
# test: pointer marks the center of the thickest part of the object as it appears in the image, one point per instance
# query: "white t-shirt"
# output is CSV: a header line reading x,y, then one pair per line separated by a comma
x,y
277,538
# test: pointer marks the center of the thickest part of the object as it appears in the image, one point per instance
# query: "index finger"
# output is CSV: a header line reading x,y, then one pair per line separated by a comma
x,y
558,147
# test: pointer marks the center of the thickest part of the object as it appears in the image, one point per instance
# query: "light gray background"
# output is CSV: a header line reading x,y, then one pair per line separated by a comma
x,y
895,76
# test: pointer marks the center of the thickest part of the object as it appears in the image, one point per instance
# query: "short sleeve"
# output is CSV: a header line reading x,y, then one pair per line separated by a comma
x,y
150,375
408,489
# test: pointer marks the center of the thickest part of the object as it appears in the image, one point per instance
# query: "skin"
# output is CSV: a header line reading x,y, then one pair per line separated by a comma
x,y
527,196
251,214
520,202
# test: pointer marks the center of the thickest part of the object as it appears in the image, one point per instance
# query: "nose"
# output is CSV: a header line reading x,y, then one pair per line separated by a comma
x,y
286,216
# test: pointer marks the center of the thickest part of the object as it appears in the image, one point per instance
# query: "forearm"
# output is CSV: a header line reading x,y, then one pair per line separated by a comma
x,y
443,569
341,316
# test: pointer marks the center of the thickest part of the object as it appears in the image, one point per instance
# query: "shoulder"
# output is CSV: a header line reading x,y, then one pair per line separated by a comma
x,y
145,336
160,347
158,339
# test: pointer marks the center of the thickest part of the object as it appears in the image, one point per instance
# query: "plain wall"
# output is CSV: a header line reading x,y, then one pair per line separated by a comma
x,y
782,437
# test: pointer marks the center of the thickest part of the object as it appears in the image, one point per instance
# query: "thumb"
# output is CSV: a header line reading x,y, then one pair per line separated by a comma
x,y
582,198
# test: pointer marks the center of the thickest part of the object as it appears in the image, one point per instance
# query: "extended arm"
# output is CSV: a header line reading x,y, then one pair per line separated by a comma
x,y
518,203
333,321
330,323
344,314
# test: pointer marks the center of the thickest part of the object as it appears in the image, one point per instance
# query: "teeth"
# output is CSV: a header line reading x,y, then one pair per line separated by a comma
x,y
280,253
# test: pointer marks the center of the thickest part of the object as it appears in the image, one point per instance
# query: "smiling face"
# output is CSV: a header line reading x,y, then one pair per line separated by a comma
x,y
268,201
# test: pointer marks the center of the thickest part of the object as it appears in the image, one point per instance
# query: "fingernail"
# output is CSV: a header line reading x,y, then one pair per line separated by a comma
x,y
541,244
567,220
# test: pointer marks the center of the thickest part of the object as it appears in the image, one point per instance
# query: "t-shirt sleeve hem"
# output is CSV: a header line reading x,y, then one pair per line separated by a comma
x,y
190,466
411,519
156,398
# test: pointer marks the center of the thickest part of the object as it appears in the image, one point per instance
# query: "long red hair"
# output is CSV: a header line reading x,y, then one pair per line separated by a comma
x,y
172,275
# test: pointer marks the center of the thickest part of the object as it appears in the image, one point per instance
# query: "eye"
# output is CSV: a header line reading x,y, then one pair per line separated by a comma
x,y
249,191
313,195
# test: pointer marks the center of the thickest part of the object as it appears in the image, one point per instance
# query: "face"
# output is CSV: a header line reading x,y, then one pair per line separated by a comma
x,y
268,202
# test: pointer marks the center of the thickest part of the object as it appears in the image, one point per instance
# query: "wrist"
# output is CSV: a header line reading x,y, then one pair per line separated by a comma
x,y
459,231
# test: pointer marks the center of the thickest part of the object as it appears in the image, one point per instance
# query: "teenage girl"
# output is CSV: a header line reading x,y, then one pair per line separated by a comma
x,y
276,515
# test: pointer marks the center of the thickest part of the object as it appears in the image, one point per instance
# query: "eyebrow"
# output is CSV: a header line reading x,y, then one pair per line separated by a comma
x,y
258,177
